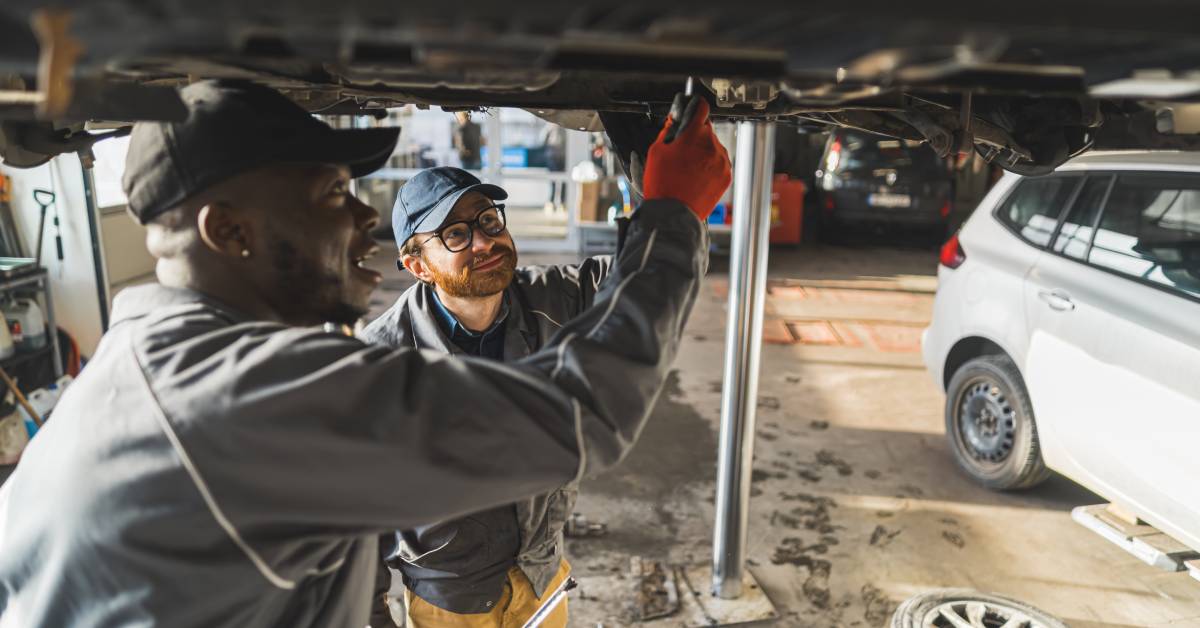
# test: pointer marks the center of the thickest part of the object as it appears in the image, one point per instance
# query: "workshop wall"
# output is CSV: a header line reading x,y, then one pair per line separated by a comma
x,y
72,281
122,239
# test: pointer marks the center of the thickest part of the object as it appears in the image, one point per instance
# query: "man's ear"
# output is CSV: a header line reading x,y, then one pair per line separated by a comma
x,y
415,265
225,230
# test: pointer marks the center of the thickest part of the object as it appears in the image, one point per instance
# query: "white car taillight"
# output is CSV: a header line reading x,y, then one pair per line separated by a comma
x,y
953,254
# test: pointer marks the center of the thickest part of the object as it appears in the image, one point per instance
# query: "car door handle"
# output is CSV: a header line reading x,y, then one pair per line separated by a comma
x,y
1057,300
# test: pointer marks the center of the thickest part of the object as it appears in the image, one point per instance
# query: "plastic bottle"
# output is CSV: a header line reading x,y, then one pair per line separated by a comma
x,y
26,323
42,401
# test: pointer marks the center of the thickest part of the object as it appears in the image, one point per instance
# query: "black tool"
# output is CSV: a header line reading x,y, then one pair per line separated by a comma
x,y
683,109
46,199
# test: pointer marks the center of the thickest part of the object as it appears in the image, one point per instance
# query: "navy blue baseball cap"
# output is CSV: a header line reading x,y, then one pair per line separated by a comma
x,y
426,200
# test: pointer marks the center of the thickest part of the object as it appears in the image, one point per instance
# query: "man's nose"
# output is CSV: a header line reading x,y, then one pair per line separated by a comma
x,y
365,216
481,243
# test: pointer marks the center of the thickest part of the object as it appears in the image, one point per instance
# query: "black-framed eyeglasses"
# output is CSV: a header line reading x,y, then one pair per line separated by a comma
x,y
457,236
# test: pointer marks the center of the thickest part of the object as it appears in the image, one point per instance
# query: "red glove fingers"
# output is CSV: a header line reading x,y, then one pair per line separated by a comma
x,y
693,168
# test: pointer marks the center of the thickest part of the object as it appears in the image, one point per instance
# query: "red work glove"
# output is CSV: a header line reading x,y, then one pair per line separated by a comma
x,y
692,166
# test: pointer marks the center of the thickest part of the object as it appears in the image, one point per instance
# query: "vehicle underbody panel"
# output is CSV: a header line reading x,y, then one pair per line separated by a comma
x,y
1026,88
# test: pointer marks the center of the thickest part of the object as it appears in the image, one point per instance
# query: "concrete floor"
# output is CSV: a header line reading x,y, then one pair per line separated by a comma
x,y
856,502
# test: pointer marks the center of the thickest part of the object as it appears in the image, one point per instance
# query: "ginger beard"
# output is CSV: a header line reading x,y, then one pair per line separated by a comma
x,y
472,284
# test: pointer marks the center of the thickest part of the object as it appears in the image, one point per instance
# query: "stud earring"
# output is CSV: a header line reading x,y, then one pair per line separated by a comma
x,y
245,253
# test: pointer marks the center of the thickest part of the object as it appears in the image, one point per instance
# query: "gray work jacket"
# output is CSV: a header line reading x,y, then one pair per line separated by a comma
x,y
449,564
208,469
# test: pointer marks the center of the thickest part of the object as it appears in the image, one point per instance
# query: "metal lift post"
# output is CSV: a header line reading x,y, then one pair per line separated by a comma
x,y
754,161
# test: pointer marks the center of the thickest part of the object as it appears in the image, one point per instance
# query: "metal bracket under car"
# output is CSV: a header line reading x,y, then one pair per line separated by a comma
x,y
26,141
31,144
1025,99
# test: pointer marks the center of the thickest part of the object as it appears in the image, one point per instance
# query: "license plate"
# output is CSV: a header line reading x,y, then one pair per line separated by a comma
x,y
889,200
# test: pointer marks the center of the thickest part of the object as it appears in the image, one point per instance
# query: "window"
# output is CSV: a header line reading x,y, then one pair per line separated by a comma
x,y
1032,210
1075,235
1151,230
867,150
110,165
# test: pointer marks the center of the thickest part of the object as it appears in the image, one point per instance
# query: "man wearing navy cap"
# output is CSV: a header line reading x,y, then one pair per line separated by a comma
x,y
493,568
230,457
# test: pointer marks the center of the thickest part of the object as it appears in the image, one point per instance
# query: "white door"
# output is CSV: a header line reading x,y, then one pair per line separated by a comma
x,y
1113,367
992,305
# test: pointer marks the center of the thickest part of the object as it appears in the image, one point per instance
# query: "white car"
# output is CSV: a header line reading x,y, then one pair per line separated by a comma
x,y
1066,334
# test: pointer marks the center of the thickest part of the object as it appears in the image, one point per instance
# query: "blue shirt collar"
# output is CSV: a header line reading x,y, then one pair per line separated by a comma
x,y
454,329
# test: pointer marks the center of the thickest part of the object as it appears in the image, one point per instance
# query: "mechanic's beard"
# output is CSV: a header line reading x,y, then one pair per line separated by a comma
x,y
307,291
470,284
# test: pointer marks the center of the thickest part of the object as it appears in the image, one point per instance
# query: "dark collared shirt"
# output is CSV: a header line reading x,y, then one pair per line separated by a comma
x,y
486,344
440,580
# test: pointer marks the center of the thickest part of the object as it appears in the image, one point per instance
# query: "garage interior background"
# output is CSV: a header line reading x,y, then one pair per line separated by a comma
x,y
73,280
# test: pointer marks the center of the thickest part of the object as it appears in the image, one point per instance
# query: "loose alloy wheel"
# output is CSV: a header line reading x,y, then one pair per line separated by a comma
x,y
976,614
963,608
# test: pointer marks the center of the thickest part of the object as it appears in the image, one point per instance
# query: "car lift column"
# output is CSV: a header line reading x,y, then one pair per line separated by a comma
x,y
753,163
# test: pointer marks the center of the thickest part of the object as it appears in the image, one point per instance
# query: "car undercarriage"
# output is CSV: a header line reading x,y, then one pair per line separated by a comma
x,y
1026,89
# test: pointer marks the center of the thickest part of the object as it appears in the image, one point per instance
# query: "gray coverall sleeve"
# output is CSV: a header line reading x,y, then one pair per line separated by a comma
x,y
352,437
586,277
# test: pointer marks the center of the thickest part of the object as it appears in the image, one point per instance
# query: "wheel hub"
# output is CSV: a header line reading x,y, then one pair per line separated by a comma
x,y
987,422
977,614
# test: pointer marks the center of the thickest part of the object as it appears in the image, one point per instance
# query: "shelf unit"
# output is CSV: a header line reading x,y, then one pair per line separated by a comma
x,y
40,279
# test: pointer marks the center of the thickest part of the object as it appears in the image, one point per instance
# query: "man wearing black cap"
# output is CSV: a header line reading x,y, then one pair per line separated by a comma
x,y
224,460
494,568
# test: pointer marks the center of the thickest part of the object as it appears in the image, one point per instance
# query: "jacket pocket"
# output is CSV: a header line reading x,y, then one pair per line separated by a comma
x,y
548,516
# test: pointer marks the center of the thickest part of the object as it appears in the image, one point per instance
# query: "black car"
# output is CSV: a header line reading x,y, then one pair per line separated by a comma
x,y
869,179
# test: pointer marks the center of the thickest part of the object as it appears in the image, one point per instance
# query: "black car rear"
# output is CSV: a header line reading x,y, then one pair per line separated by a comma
x,y
873,179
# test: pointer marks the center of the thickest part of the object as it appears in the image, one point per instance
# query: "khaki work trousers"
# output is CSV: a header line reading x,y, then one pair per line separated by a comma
x,y
517,604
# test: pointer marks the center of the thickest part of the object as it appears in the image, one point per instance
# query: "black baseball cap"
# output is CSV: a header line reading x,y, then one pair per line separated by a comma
x,y
426,200
233,127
